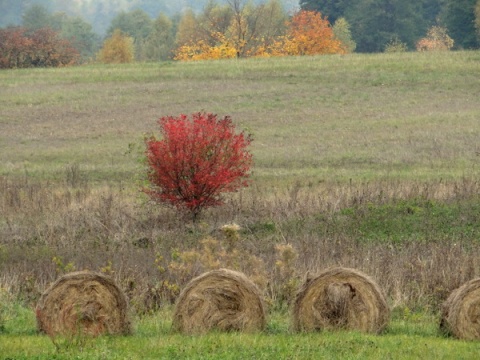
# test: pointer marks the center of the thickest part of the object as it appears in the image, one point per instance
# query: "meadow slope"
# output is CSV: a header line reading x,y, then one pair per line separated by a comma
x,y
412,115
363,161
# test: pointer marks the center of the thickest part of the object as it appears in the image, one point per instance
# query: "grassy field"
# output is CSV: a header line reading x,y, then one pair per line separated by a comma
x,y
410,336
364,161
317,118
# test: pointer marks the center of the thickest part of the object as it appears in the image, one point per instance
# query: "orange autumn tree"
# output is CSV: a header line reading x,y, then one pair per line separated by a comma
x,y
309,33
437,39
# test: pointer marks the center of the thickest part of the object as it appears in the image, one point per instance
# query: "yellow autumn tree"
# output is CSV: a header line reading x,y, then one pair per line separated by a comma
x,y
117,49
254,28
202,37
341,31
188,29
238,29
202,50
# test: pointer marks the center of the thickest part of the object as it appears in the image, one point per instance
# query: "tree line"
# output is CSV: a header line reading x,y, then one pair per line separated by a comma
x,y
242,28
375,23
99,13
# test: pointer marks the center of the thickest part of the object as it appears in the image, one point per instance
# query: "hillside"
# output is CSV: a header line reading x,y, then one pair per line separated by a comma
x,y
368,162
411,115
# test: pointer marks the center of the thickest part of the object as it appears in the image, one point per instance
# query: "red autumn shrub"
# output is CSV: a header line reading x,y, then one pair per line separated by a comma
x,y
196,161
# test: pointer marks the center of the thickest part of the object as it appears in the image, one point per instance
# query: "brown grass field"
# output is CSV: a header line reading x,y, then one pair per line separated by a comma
x,y
363,161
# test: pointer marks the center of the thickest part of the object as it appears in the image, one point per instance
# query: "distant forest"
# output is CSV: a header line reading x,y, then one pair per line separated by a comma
x,y
156,26
374,23
99,13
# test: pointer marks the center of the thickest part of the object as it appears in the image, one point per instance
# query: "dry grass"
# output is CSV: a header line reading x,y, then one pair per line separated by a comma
x,y
362,161
107,229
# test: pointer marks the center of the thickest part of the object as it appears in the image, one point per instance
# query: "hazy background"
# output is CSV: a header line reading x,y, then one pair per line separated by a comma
x,y
99,13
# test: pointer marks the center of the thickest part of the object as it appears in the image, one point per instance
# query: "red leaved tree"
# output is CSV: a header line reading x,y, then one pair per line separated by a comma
x,y
21,48
15,48
50,50
196,161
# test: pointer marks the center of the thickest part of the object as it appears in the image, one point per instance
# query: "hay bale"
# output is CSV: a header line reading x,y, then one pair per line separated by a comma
x,y
222,300
340,298
461,312
83,302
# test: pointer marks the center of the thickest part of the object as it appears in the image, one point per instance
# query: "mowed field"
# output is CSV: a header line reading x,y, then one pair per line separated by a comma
x,y
364,161
411,116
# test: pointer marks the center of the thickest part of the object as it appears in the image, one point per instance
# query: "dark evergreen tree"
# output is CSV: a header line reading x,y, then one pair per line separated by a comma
x,y
477,20
332,9
432,10
459,18
375,23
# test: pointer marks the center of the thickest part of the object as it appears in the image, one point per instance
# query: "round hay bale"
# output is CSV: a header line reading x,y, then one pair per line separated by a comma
x,y
461,312
83,302
222,300
340,298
